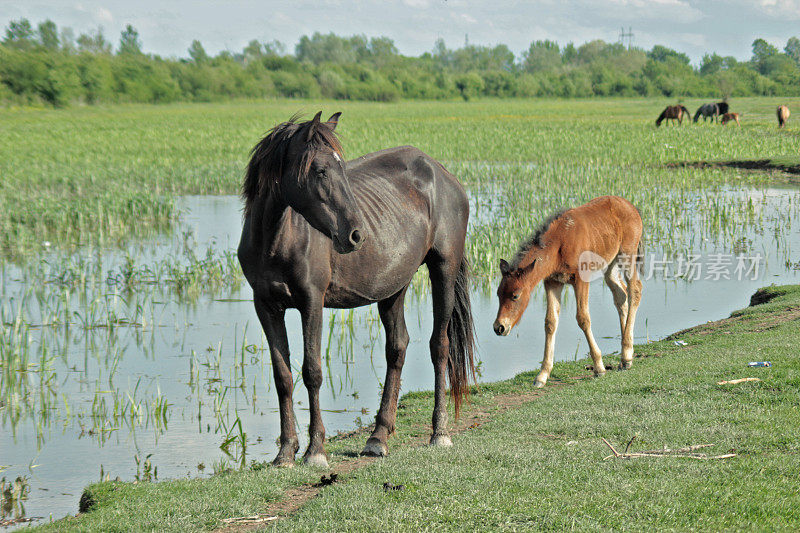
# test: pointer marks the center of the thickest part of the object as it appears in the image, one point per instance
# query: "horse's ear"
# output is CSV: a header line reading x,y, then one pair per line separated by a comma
x,y
529,268
334,120
313,126
505,268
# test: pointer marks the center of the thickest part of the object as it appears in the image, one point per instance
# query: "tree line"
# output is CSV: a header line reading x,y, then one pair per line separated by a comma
x,y
44,65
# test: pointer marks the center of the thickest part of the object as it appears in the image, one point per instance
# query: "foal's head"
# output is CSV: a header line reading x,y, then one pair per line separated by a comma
x,y
302,163
514,293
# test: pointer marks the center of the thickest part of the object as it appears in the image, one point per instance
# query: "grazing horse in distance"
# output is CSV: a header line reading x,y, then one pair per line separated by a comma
x,y
707,111
728,117
673,112
783,115
320,231
602,238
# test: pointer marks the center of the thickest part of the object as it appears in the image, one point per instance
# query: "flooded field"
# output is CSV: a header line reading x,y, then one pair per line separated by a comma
x,y
148,362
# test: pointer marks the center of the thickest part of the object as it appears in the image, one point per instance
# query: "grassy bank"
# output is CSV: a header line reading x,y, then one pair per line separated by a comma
x,y
539,464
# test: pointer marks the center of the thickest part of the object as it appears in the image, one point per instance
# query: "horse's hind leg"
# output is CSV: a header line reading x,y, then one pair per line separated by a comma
x,y
585,323
620,293
634,298
275,329
443,276
392,316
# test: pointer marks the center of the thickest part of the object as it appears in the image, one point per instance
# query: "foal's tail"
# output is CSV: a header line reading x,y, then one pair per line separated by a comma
x,y
640,256
461,334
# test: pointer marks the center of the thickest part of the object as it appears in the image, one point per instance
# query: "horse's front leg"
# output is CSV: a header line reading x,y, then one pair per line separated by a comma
x,y
312,376
392,316
275,329
443,289
553,291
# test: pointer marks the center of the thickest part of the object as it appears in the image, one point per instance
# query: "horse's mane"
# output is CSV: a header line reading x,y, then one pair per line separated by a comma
x,y
535,239
268,158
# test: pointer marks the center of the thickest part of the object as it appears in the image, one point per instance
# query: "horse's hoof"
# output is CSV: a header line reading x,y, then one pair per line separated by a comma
x,y
283,462
624,365
317,460
599,374
441,440
538,384
375,448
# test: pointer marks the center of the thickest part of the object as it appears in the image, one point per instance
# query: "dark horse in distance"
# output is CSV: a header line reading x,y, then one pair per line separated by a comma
x,y
323,232
712,111
672,112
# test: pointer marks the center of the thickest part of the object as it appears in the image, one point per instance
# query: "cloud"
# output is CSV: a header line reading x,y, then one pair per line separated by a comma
x,y
104,16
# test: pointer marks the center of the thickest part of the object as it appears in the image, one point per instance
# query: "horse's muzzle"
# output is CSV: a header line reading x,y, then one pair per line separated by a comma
x,y
501,329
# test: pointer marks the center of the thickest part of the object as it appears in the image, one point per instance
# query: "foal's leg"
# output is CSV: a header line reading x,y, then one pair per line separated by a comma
x,y
392,316
312,376
585,323
553,291
275,329
620,293
443,276
634,298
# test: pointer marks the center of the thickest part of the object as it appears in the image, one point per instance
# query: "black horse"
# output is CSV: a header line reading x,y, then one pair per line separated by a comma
x,y
712,111
321,232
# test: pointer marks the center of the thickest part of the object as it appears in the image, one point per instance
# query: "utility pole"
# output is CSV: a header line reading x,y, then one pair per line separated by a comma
x,y
623,35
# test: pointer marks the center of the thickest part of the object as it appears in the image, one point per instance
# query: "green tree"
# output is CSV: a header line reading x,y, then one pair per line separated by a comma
x,y
469,85
129,42
541,56
664,54
197,53
48,35
94,43
792,49
19,35
711,64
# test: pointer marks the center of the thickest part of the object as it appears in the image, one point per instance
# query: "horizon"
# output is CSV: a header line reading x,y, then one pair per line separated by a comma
x,y
168,31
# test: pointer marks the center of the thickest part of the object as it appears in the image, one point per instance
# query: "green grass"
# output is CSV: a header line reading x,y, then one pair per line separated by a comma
x,y
104,174
540,466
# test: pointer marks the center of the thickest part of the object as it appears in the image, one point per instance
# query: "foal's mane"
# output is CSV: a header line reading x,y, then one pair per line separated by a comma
x,y
535,239
268,158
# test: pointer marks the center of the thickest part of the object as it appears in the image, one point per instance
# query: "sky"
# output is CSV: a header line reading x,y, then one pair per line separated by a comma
x,y
167,27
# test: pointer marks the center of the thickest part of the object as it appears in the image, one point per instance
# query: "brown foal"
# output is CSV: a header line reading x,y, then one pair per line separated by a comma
x,y
600,238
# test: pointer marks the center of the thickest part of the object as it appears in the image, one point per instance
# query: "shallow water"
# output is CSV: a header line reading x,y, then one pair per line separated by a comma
x,y
173,385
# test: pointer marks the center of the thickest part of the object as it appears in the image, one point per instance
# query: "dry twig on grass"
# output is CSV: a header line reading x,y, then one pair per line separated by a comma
x,y
244,520
688,451
736,381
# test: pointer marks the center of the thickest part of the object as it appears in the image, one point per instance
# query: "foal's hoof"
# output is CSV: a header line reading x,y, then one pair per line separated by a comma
x,y
441,440
624,365
317,460
538,384
599,374
375,448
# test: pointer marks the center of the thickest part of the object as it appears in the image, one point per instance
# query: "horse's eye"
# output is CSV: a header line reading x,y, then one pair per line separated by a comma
x,y
515,297
321,173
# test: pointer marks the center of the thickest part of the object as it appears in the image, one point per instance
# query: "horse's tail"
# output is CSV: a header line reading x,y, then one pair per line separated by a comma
x,y
461,333
661,117
697,115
